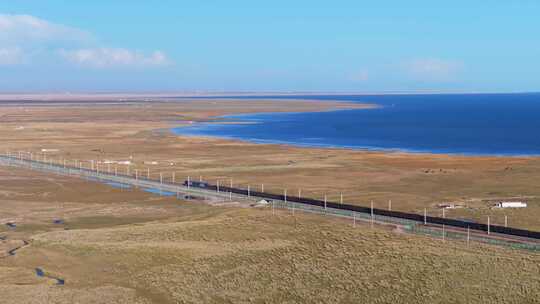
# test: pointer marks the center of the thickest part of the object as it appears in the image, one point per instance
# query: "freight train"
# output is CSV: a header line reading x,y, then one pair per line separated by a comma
x,y
397,214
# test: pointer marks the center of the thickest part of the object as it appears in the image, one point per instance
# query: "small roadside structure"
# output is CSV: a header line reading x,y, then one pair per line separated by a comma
x,y
511,205
261,203
264,202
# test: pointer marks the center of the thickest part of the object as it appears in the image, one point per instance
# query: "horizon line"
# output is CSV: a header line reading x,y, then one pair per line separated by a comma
x,y
198,93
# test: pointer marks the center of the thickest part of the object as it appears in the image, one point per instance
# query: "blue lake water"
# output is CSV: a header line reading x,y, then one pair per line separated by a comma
x,y
479,124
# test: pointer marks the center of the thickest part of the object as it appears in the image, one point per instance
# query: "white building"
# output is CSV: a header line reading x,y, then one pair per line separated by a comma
x,y
511,205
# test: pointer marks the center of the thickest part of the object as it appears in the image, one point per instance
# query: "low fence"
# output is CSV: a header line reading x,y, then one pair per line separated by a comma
x,y
109,177
467,237
410,222
412,217
411,226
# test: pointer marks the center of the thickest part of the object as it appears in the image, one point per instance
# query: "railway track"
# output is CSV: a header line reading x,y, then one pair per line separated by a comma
x,y
216,192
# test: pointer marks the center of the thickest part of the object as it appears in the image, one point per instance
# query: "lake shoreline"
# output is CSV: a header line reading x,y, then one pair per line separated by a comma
x,y
412,134
179,131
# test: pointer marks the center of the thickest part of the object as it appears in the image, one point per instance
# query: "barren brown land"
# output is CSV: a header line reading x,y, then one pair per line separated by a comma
x,y
127,246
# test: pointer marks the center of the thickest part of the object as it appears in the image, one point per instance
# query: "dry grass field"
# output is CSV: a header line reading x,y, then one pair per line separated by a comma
x,y
139,131
128,246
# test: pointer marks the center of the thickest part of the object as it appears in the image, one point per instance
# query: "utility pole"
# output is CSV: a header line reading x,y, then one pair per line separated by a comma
x,y
468,235
443,226
505,221
488,228
390,205
341,198
443,233
372,217
425,216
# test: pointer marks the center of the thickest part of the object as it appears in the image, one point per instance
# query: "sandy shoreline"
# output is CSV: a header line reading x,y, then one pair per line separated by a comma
x,y
173,130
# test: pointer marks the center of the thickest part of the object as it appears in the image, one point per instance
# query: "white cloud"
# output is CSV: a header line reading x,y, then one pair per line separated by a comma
x,y
11,56
26,29
28,39
433,69
114,57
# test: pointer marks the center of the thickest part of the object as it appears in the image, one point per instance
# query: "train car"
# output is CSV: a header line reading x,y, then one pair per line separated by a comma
x,y
196,184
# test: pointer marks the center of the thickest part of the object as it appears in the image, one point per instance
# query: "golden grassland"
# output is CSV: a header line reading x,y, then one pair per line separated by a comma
x,y
127,246
141,130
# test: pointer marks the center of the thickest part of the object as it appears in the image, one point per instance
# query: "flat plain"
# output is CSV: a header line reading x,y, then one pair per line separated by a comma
x,y
128,246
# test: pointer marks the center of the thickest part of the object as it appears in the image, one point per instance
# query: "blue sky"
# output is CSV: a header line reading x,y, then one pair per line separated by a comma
x,y
360,46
